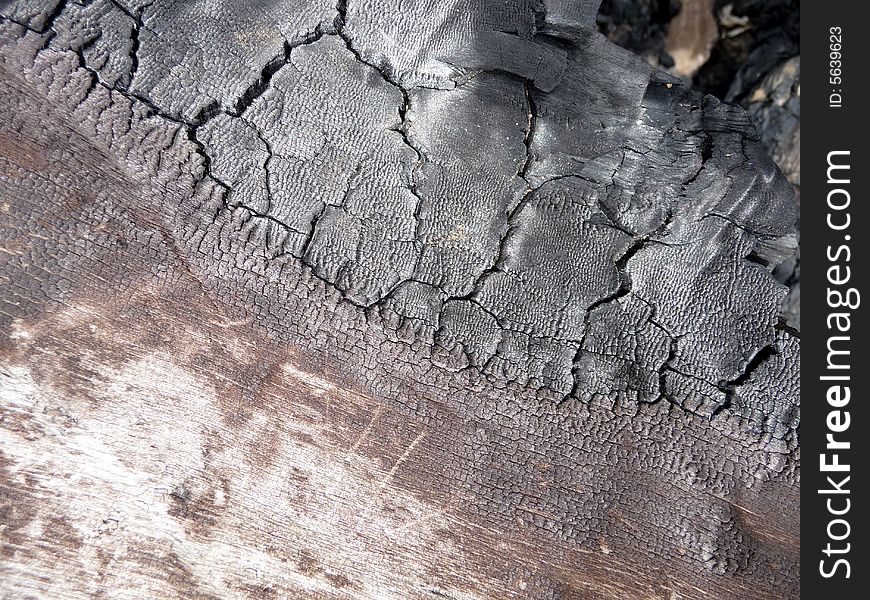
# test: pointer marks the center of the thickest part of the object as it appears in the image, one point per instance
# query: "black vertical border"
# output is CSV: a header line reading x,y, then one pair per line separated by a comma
x,y
826,129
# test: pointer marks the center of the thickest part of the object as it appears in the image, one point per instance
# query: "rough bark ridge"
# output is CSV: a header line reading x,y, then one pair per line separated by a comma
x,y
412,299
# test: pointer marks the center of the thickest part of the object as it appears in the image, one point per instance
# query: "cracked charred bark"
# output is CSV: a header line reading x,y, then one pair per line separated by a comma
x,y
428,298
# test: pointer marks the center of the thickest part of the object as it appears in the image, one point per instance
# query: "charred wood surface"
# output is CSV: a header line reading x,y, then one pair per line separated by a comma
x,y
385,299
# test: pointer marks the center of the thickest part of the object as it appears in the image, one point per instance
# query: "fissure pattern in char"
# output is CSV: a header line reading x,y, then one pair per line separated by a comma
x,y
512,191
530,306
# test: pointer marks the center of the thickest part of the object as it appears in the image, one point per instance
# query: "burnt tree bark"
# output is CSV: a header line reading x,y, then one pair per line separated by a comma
x,y
386,299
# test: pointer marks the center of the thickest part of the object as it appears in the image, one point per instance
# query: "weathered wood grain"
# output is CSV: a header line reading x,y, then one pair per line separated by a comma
x,y
305,301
